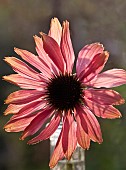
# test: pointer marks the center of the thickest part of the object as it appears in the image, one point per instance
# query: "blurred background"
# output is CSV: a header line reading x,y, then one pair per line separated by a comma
x,y
90,21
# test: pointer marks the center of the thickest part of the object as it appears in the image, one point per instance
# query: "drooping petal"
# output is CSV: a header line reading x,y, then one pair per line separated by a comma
x,y
34,61
104,111
17,125
37,123
94,127
83,138
69,139
81,120
44,57
52,48
55,30
22,68
13,108
86,56
25,82
67,48
94,130
57,153
31,108
48,131
95,66
109,78
104,96
23,96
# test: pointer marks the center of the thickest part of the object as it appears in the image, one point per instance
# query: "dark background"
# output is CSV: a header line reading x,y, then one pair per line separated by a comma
x,y
90,21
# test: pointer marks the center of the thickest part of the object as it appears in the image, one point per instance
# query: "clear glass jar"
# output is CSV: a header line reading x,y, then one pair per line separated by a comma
x,y
77,161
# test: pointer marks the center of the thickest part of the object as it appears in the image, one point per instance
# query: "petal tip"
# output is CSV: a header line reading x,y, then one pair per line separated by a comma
x,y
55,19
100,141
106,53
122,101
5,113
6,101
7,128
65,23
4,78
119,115
99,44
16,50
21,138
52,164
43,36
6,59
35,36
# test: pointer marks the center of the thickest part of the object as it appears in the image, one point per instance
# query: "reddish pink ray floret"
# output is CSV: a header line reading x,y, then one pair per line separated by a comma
x,y
53,92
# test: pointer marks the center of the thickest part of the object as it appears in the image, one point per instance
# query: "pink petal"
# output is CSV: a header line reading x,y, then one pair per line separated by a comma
x,y
80,118
43,56
34,61
37,123
86,56
58,152
22,68
67,48
69,140
23,96
41,53
53,50
13,108
109,78
104,96
82,138
104,111
48,131
94,130
17,125
25,82
30,108
55,30
95,66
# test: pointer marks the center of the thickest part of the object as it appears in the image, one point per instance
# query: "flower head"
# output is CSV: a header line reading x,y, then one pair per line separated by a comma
x,y
52,92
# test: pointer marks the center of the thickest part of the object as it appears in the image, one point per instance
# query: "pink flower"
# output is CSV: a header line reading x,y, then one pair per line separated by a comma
x,y
50,91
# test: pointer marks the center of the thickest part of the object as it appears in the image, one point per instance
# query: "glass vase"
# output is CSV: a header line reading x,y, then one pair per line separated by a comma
x,y
77,161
